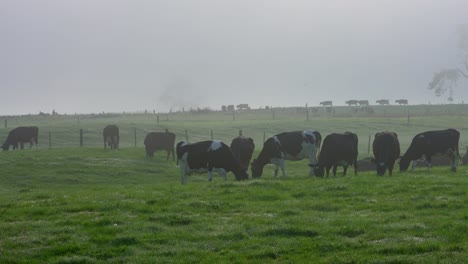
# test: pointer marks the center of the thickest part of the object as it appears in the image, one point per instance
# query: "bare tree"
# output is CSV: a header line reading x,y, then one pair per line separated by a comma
x,y
446,80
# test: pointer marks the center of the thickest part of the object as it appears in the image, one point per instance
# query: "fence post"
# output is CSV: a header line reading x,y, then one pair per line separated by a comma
x,y
186,135
50,140
368,145
264,137
240,132
81,137
135,140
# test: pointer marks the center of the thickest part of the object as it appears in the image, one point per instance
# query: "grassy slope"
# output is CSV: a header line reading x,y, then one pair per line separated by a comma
x,y
89,205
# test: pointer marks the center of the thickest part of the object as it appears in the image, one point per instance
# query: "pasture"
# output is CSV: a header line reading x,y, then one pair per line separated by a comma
x,y
89,205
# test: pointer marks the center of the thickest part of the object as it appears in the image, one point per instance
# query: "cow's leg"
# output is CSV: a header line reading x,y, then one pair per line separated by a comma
x,y
454,159
281,164
355,167
276,170
390,167
428,161
413,165
223,173
345,168
210,172
328,169
183,171
168,154
312,161
334,170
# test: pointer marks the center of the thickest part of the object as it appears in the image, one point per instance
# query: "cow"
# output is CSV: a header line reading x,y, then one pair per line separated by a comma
x,y
110,135
337,150
429,143
295,145
242,148
386,148
363,102
383,102
21,135
352,102
326,103
210,155
160,141
401,101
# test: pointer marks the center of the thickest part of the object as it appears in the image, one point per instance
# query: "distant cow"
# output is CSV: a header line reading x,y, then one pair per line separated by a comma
x,y
429,143
110,135
363,102
337,150
160,141
326,103
401,101
383,102
386,148
243,148
295,145
208,156
21,135
352,102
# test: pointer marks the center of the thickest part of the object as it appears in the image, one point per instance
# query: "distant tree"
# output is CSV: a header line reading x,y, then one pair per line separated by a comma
x,y
446,80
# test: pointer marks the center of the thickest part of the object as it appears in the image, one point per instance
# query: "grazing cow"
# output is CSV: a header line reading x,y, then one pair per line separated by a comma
x,y
110,135
386,148
295,145
363,102
160,141
337,150
383,102
366,165
429,143
21,135
352,102
208,156
401,101
326,103
242,148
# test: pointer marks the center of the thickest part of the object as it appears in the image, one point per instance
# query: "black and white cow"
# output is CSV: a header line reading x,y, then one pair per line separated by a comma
x,y
243,148
337,150
386,148
429,143
206,156
295,145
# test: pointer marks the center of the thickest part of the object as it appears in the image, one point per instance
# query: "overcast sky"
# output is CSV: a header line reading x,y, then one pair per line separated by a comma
x,y
83,56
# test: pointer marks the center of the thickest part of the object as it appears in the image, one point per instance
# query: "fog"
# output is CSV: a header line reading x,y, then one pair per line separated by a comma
x,y
125,55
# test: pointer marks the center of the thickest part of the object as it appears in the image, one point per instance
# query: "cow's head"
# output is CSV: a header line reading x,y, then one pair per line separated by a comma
x,y
381,167
318,170
256,169
242,175
404,163
5,147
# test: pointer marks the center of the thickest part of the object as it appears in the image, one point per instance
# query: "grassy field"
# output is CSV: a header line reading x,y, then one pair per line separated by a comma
x,y
88,205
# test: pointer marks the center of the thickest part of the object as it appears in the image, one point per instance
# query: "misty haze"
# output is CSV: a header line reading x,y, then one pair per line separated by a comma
x,y
113,56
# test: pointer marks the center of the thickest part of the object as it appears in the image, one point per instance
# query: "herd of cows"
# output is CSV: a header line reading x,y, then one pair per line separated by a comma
x,y
337,149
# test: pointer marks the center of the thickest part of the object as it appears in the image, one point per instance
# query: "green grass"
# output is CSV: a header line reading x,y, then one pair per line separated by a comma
x,y
88,205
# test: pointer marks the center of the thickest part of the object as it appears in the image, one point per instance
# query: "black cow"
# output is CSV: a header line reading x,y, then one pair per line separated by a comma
x,y
386,148
110,135
428,143
208,156
21,135
160,141
243,148
295,145
337,150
